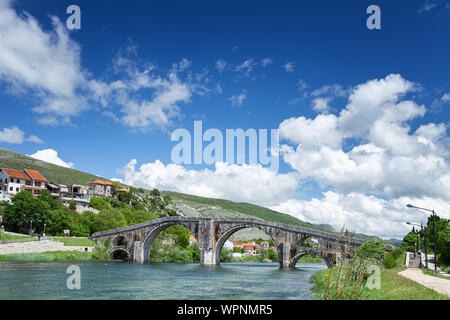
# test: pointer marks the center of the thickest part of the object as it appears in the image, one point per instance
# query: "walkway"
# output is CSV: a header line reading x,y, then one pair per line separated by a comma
x,y
437,284
38,247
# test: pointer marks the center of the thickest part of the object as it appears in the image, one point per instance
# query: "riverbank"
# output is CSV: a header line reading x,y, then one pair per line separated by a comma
x,y
50,256
392,286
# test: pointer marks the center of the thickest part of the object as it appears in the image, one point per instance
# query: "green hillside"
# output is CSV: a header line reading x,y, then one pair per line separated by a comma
x,y
247,208
13,160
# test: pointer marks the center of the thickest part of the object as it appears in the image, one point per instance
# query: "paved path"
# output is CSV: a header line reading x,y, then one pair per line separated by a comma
x,y
437,284
38,247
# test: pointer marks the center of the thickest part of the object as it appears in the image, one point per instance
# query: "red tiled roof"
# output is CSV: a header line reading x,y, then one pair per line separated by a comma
x,y
16,174
106,183
36,175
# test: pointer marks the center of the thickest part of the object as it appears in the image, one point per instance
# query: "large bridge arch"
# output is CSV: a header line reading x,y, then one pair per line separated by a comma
x,y
232,230
150,237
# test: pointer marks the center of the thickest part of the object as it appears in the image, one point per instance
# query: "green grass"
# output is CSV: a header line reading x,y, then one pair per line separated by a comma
x,y
429,272
78,242
48,256
10,237
13,160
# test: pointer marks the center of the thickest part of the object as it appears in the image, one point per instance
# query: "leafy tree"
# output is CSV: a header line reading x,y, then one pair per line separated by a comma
x,y
108,219
99,203
24,209
72,206
155,192
179,235
443,246
408,242
226,255
371,250
138,216
47,198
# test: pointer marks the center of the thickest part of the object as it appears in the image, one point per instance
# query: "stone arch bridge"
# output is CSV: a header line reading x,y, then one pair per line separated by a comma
x,y
211,234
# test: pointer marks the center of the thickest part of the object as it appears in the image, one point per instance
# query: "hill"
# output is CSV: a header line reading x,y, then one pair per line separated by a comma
x,y
13,160
247,209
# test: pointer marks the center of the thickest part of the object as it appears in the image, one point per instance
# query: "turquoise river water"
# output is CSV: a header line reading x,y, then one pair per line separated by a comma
x,y
124,281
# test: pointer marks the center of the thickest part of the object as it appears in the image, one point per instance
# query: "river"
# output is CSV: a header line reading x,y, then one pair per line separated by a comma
x,y
117,280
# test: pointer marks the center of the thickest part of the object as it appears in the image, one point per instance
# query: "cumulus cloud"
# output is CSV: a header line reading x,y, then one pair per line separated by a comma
x,y
14,135
50,155
363,213
371,159
265,62
248,183
388,160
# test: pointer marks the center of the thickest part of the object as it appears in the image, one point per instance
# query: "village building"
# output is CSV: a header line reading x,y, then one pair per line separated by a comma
x,y
251,248
77,194
264,245
15,181
101,188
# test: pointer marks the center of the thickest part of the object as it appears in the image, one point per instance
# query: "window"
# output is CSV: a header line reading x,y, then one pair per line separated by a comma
x,y
11,189
17,180
37,184
17,189
6,180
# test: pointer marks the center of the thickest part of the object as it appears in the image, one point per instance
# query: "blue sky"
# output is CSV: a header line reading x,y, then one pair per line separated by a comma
x,y
77,92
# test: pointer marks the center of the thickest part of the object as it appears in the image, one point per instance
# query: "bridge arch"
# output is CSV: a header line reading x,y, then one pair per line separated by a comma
x,y
150,237
229,232
120,240
121,253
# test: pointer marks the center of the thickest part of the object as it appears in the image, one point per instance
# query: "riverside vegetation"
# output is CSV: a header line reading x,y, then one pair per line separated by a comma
x,y
348,280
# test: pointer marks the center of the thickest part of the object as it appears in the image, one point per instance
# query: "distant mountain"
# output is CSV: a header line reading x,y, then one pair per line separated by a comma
x,y
396,242
13,160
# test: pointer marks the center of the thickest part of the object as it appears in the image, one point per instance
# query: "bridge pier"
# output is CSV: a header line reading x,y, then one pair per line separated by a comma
x,y
284,255
138,252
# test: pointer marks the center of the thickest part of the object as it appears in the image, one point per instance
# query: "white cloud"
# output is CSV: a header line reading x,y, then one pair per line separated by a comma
x,y
14,135
47,63
246,67
248,183
289,67
386,159
321,105
50,155
363,214
265,62
238,99
221,65
427,6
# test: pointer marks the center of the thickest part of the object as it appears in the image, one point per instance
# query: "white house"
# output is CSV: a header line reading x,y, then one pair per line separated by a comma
x,y
15,181
228,245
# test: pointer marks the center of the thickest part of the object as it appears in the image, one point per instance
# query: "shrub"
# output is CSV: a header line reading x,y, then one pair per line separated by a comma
x,y
371,250
396,253
390,261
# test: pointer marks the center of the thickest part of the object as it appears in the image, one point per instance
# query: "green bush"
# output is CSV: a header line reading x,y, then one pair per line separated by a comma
x,y
371,250
390,261
396,253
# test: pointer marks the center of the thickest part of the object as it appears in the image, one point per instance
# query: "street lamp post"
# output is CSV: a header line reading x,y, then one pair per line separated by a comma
x,y
31,226
434,216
